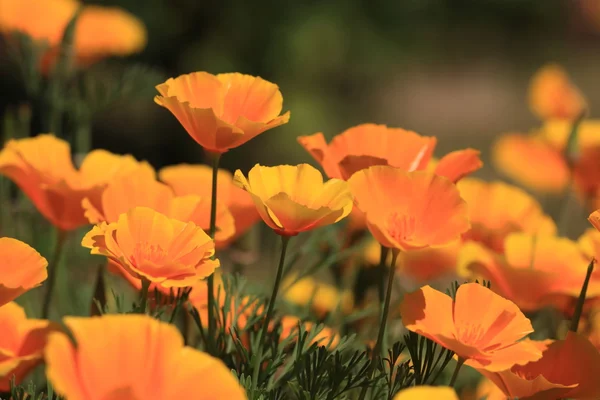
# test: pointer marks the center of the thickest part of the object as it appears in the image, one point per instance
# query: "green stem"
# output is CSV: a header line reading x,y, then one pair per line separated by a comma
x,y
459,364
382,259
581,300
144,295
61,237
382,326
263,332
212,230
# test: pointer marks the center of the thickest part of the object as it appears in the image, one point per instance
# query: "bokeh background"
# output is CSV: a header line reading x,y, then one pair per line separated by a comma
x,y
456,69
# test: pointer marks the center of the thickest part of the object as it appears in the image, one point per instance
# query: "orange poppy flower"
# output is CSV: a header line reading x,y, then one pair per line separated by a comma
x,y
187,179
479,326
42,168
100,31
492,220
326,336
367,145
553,95
21,343
427,392
222,111
322,297
21,268
133,357
292,199
569,368
531,161
409,210
557,132
149,245
139,189
535,271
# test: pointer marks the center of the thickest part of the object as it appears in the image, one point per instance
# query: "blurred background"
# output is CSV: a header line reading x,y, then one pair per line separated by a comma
x,y
456,69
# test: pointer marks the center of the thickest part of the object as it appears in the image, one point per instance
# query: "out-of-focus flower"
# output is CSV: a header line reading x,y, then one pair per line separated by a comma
x,y
485,389
222,111
292,199
553,95
149,245
427,392
21,268
21,343
139,189
187,179
322,297
133,357
492,220
409,210
557,131
326,336
100,31
569,368
479,326
42,168
367,145
531,161
534,272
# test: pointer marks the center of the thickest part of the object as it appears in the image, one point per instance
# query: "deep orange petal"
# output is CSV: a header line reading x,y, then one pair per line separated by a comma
x,y
21,268
458,164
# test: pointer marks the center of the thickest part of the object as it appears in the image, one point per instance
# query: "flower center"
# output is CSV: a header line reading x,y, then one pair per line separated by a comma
x,y
401,227
148,252
469,333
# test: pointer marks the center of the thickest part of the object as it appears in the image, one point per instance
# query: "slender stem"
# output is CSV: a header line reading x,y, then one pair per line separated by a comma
x,y
61,237
581,300
99,297
382,259
210,283
144,295
263,332
382,326
459,364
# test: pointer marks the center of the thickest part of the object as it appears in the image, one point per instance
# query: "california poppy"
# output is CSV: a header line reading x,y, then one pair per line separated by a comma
x,y
41,166
133,357
326,336
531,161
492,220
367,145
222,111
427,392
292,199
21,268
569,368
149,245
322,297
93,41
409,210
553,95
21,343
557,131
187,179
479,326
534,271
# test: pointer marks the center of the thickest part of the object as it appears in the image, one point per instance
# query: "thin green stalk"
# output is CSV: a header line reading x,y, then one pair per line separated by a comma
x,y
263,332
459,364
382,259
212,326
581,300
61,237
144,296
384,315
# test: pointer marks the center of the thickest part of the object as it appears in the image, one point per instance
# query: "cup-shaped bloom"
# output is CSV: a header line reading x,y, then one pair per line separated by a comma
x,y
531,161
42,167
292,199
427,392
133,357
149,245
47,20
568,369
187,180
479,326
534,271
21,268
492,220
409,210
21,343
366,145
553,95
221,112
